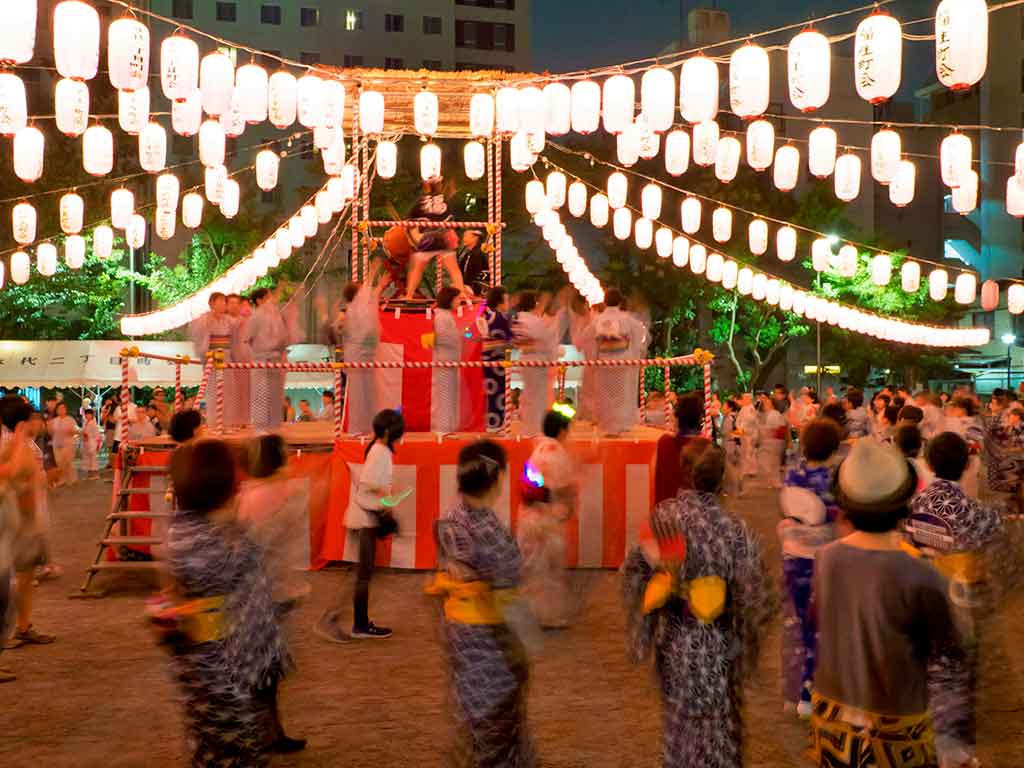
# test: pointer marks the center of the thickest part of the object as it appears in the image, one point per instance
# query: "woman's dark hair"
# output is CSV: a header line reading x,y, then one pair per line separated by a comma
x,y
613,297
884,398
389,426
14,410
184,425
689,413
948,455
527,301
555,423
907,438
892,414
267,454
708,470
446,297
495,297
349,291
966,404
835,412
688,458
911,414
259,294
204,475
855,397
898,402
820,439
480,466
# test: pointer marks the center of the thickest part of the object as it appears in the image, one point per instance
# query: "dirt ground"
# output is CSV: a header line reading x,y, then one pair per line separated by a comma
x,y
100,696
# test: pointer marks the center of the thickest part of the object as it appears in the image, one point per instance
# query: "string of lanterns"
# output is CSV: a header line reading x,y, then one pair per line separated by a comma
x,y
568,256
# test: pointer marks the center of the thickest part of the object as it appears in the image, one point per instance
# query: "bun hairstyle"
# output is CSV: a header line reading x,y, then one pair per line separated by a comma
x,y
389,426
204,475
480,467
267,454
447,297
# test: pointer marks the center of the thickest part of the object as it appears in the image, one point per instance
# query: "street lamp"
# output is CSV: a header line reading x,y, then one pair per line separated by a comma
x,y
1008,340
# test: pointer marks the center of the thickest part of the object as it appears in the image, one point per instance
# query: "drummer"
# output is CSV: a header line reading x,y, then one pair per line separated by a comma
x,y
430,243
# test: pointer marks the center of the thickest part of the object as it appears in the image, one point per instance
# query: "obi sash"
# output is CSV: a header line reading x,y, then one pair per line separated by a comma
x,y
471,602
220,341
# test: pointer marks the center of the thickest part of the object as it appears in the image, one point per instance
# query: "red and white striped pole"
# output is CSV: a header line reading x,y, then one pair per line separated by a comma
x,y
507,425
339,404
205,380
707,400
643,397
125,397
497,210
219,364
179,398
668,402
490,206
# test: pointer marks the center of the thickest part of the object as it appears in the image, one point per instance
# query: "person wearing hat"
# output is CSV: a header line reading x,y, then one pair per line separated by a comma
x,y
890,664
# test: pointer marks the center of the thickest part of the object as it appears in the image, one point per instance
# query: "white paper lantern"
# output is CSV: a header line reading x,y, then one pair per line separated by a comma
x,y
17,30
810,62
296,231
187,115
901,190
122,206
644,233
955,158
721,225
910,276
1014,197
76,39
168,189
28,148
216,83
13,106
757,237
622,223
324,207
214,183
535,196
821,151
848,169
586,106
481,115
166,223
786,297
677,152
535,142
618,187
324,136
133,110
938,284
785,243
268,165
532,111
557,108
627,145
72,213
310,222
846,261
371,112
71,106
103,242
680,251
715,267
349,182
965,196
128,54
311,101
153,148
135,232
786,170
599,210
663,242
192,210
698,89
577,198
283,244
251,90
282,99
1014,297
555,189
619,96
333,157
759,287
23,221
425,113
179,67
21,268
878,57
474,160
727,159
698,258
749,81
233,121
212,144
760,144
705,143
689,215
886,150
650,142
961,42
730,274
230,198
74,251
650,201
506,110
430,162
658,98
821,254
965,289
334,104
881,269
387,159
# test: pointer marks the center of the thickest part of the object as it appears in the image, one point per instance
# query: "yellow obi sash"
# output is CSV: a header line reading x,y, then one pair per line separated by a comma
x,y
965,567
202,621
471,602
220,341
705,596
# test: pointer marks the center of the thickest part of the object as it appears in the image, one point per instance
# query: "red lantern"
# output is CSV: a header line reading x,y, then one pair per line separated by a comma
x,y
989,295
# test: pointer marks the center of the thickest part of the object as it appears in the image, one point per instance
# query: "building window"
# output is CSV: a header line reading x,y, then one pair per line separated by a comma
x,y
465,34
508,5
227,11
468,65
181,9
501,36
270,14
351,60
433,64
485,35
309,17
431,25
309,57
394,22
394,62
353,21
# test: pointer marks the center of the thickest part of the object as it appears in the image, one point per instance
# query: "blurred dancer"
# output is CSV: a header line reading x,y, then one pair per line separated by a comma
x,y
618,335
360,339
92,438
731,448
537,337
64,432
961,418
496,331
858,422
581,334
237,382
773,440
748,424
212,332
668,477
270,332
428,243
444,394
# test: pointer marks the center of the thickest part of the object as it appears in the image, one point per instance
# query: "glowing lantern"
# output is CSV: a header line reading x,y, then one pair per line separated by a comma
x,y
715,267
555,189
282,99
535,142
21,268
168,188
689,215
663,242
846,261
387,159
821,151
658,98
910,276
72,213
938,284
282,244
759,287
955,156
122,206
103,242
847,177
885,155
13,107
135,232
622,223
644,233
425,113
214,183
532,112
251,90
785,243
334,156
153,148
187,115
133,110
989,295
557,108
76,40
787,168
17,30
705,143
212,144
179,67
901,190
586,106
229,199
166,223
785,297
627,145
348,182
650,201
878,57
677,153
618,186
535,196
698,89
311,101
760,144
74,251
810,64
371,112
965,196
821,254
296,231
730,274
1014,296
698,258
961,42
680,251
322,203
577,198
28,154
216,83
23,221
599,210
965,288
881,269
721,224
192,210
430,162
71,104
268,164
310,223
727,159
232,121
507,110
128,54
474,160
745,281
334,103
324,136
757,236
619,95
1014,197
799,302
749,81
481,115
650,142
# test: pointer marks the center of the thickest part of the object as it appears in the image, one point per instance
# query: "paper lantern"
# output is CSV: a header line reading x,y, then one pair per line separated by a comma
x,y
74,251
21,268
72,213
680,251
955,155
961,42
886,151
371,112
387,159
535,141
727,159
757,237
520,156
810,61
103,242
133,110
555,189
71,105
938,284
311,101
705,143
799,302
1014,197
759,287
425,113
650,201
901,190
481,115
878,57
689,215
730,274
821,254
715,267
135,232
349,182
192,210
310,223
698,258
212,144
619,96
28,154
787,168
644,233
965,196
535,196
474,160
128,54
216,83
721,224
334,104
168,188
333,157
282,99
296,231
618,186
586,106
1014,297
23,221
785,243
649,141
821,151
230,198
251,90
749,81
1018,161
268,165
677,152
658,98
532,111
698,89
785,297
506,110
13,106
577,197
627,145
622,223
599,210
324,136
323,205
846,261
232,121
17,30
122,206
557,108
76,39
989,295
881,269
282,244
965,288
910,276
214,183
430,162
745,281
848,176
663,242
760,144
179,67
187,115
